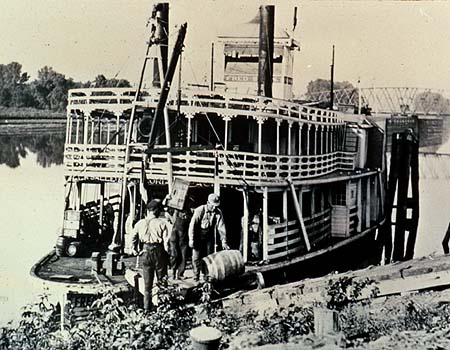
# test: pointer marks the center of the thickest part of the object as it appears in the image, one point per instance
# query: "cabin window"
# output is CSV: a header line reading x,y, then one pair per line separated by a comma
x,y
339,195
238,131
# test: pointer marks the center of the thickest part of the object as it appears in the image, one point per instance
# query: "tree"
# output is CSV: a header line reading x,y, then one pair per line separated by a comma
x,y
50,89
318,86
429,102
101,81
14,92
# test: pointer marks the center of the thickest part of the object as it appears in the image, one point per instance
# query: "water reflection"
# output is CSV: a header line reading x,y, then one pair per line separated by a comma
x,y
49,148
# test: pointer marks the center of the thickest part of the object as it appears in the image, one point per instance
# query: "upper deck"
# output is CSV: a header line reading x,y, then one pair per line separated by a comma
x,y
264,140
119,101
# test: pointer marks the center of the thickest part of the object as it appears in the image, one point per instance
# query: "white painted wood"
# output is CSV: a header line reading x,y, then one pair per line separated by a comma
x,y
289,151
265,224
245,227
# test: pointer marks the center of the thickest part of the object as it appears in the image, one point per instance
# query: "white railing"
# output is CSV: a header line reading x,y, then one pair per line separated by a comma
x,y
286,239
203,102
232,167
225,167
94,160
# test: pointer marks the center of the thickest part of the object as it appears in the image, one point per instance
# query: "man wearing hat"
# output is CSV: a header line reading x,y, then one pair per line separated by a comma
x,y
206,223
153,233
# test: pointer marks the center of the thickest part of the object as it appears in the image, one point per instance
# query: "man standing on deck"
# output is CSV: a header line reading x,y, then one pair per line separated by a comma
x,y
152,232
206,223
178,243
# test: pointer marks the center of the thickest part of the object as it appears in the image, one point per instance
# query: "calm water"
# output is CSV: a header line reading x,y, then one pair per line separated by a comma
x,y
31,203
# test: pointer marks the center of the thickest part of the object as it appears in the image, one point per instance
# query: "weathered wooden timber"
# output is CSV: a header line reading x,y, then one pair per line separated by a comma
x,y
432,272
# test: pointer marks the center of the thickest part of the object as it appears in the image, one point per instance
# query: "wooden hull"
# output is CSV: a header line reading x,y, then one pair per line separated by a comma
x,y
353,253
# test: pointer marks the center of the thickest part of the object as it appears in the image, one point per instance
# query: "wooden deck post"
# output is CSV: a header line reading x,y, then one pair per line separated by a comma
x,y
300,125
189,130
226,119
68,126
289,140
315,139
245,228
265,224
359,205
285,219
278,137
308,136
102,202
77,134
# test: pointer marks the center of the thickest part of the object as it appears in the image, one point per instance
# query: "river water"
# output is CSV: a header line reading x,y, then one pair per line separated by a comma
x,y
31,207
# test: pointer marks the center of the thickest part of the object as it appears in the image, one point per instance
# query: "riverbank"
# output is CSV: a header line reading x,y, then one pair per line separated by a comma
x,y
27,121
29,114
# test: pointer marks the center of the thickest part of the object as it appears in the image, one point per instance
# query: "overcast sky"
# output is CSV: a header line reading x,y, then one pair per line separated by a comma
x,y
386,43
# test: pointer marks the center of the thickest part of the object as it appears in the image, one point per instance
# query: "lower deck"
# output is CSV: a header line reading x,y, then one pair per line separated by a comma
x,y
76,273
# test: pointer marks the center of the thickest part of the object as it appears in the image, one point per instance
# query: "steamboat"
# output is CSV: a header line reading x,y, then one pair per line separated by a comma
x,y
313,177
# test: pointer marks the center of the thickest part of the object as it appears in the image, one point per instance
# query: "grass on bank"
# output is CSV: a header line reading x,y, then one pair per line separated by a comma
x,y
29,113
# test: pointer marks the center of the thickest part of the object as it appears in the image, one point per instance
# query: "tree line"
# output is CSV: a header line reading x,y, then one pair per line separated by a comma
x,y
47,92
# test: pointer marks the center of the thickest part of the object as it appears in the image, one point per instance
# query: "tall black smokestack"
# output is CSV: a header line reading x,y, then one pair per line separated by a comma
x,y
162,32
265,64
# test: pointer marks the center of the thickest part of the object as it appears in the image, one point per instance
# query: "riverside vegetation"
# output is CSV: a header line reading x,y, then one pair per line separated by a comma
x,y
21,97
414,322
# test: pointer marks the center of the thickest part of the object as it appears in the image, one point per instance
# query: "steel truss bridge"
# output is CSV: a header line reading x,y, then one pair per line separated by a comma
x,y
391,100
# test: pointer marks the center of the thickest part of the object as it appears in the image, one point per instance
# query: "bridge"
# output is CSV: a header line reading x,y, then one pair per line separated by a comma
x,y
391,100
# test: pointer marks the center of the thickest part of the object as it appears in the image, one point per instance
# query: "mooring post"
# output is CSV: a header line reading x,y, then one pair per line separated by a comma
x,y
402,196
413,202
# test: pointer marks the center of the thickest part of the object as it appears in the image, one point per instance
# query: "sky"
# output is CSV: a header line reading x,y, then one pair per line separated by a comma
x,y
382,43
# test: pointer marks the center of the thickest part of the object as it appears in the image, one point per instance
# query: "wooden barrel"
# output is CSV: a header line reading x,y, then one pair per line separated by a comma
x,y
224,264
61,244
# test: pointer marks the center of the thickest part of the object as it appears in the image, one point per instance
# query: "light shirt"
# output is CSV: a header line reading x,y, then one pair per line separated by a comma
x,y
151,230
206,220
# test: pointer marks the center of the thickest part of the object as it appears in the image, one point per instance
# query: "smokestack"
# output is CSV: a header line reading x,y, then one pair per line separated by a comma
x,y
161,12
265,63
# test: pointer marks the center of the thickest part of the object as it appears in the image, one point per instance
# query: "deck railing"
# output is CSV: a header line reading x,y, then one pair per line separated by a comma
x,y
202,102
286,239
208,166
94,161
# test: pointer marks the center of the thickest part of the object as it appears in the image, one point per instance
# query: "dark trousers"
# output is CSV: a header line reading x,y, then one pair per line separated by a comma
x,y
202,248
154,260
178,247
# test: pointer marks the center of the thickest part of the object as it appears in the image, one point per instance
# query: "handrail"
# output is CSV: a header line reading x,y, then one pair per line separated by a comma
x,y
197,101
234,167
